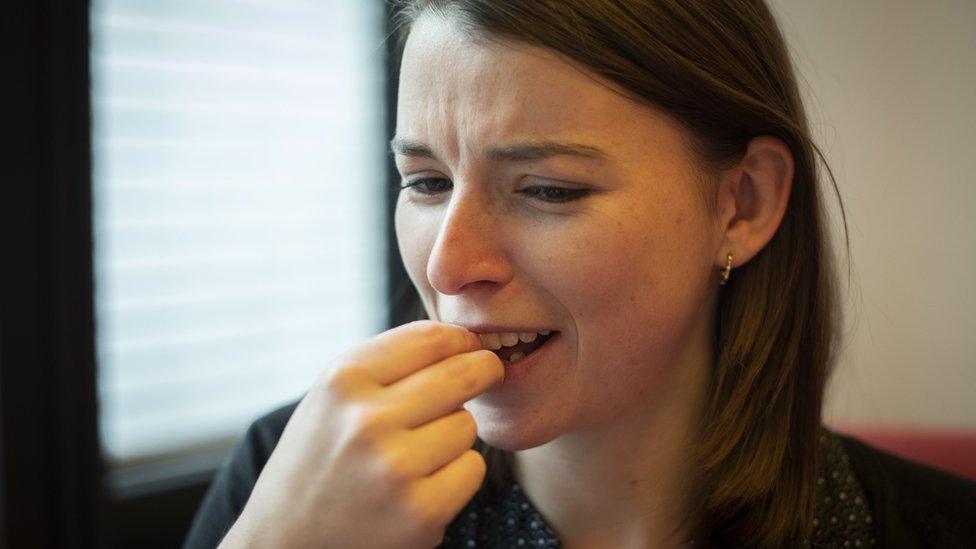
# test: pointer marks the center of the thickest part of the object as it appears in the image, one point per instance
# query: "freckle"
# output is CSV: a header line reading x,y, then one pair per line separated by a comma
x,y
633,483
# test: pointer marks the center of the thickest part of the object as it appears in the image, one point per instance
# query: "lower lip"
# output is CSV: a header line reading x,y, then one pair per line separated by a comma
x,y
516,372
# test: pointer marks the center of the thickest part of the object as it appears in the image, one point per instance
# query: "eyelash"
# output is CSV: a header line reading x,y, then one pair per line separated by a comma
x,y
545,193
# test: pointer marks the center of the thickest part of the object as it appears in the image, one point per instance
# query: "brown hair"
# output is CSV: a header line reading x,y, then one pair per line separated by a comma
x,y
720,68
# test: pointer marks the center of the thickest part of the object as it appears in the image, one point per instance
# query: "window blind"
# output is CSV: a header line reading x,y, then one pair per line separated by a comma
x,y
238,208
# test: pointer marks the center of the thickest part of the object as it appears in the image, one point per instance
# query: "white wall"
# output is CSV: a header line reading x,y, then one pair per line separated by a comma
x,y
890,87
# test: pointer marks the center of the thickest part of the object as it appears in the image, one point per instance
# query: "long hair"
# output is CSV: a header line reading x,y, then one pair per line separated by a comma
x,y
721,70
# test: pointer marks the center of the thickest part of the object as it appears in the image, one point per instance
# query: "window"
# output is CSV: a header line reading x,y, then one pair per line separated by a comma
x,y
238,184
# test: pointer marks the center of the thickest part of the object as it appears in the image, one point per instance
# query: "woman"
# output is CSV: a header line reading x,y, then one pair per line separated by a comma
x,y
612,214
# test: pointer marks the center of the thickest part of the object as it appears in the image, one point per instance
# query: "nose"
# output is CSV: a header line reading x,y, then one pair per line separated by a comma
x,y
469,251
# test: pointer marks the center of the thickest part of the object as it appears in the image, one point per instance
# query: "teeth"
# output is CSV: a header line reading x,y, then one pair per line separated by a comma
x,y
495,341
491,341
516,356
509,339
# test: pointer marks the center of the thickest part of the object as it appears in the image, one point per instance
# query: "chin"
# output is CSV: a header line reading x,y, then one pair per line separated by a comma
x,y
511,434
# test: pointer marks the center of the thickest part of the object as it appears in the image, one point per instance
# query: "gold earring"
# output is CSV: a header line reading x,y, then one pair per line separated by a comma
x,y
726,271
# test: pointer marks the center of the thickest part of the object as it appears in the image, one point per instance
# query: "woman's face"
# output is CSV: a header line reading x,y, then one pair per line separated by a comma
x,y
542,199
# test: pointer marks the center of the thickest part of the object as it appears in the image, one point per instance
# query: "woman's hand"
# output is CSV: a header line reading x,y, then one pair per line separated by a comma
x,y
378,453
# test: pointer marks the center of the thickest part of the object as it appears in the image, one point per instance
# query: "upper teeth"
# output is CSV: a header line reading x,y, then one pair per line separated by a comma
x,y
508,339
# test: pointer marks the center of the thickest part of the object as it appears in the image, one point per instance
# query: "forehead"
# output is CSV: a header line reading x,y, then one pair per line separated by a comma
x,y
457,92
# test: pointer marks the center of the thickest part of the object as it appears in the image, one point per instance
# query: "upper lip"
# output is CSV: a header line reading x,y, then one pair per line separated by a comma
x,y
498,329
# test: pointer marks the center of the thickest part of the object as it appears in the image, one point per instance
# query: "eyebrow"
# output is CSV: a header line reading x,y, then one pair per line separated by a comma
x,y
519,152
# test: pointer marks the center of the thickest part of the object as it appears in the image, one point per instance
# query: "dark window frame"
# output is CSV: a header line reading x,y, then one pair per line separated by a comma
x,y
51,463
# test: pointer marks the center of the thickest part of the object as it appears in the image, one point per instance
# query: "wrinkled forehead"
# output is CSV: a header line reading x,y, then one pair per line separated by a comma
x,y
459,91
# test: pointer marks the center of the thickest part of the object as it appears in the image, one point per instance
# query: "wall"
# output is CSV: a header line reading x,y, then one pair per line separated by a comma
x,y
890,87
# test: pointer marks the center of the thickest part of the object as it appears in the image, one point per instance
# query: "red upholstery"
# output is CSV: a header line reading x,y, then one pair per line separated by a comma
x,y
953,450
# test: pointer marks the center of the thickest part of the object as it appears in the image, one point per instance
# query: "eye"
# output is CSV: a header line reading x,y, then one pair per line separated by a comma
x,y
429,185
554,194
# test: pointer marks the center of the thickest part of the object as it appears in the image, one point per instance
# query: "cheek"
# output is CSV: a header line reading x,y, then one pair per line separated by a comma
x,y
630,260
635,285
636,297
414,243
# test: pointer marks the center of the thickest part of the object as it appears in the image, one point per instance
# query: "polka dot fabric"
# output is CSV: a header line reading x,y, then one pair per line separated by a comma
x,y
509,520
843,515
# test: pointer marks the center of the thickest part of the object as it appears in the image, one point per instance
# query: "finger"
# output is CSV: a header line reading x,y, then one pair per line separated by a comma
x,y
439,442
399,352
443,387
451,487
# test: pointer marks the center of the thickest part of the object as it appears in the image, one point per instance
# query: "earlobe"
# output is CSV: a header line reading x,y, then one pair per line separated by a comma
x,y
752,199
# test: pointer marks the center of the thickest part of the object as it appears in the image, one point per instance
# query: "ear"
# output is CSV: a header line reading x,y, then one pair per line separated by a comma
x,y
752,198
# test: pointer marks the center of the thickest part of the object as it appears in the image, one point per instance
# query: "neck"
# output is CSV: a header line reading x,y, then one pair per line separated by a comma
x,y
626,484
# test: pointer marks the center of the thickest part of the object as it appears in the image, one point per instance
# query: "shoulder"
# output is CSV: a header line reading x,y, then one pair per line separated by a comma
x,y
914,505
265,431
231,487
247,460
259,441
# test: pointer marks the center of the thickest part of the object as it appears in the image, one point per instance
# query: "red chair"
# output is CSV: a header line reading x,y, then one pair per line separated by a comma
x,y
952,450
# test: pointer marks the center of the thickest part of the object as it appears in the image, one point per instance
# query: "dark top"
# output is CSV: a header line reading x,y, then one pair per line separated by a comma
x,y
865,498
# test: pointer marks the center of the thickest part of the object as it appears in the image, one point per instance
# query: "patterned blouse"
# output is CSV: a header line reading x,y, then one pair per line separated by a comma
x,y
843,517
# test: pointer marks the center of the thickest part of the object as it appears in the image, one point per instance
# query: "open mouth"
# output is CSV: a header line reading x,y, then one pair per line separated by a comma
x,y
512,347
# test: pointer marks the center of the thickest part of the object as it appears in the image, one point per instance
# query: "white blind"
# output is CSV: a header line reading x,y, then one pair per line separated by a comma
x,y
238,189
